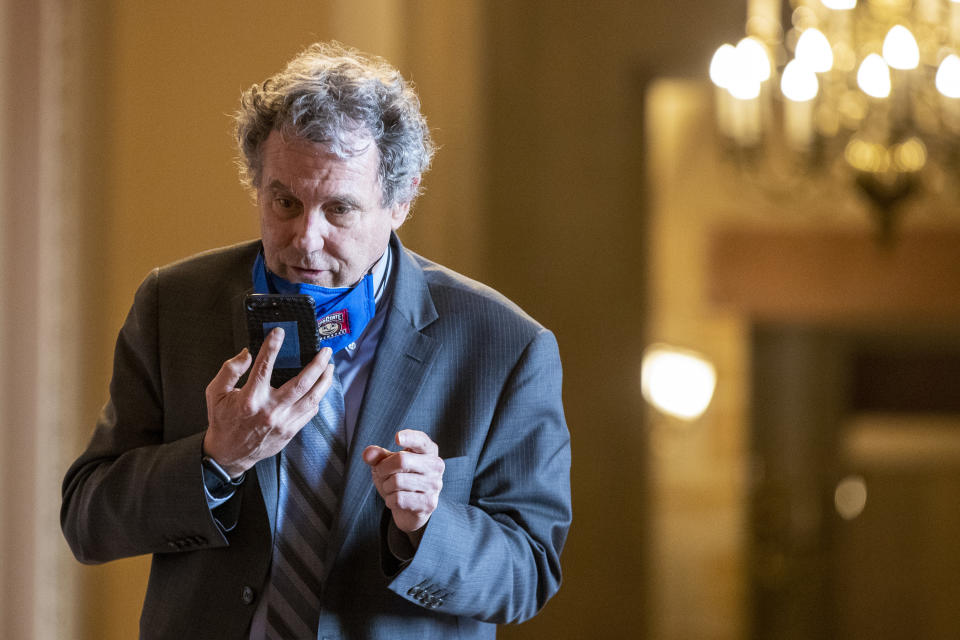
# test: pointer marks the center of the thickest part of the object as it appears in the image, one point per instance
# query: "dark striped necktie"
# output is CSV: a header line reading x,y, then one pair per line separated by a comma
x,y
311,479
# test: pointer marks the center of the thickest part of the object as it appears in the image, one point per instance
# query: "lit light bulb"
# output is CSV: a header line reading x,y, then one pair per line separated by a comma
x,y
753,59
723,66
900,49
839,5
798,82
743,87
813,49
873,76
677,382
948,77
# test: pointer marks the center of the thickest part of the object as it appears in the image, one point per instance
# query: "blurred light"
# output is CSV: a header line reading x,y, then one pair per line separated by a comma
x,y
871,157
766,28
813,50
874,76
741,69
803,18
723,66
910,155
948,76
900,48
856,71
839,5
744,88
798,82
852,106
753,59
850,497
677,382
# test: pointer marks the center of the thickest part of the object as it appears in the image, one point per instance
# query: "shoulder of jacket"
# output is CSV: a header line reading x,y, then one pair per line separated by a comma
x,y
454,292
222,257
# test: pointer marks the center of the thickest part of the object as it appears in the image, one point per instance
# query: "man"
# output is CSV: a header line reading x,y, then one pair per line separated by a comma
x,y
412,481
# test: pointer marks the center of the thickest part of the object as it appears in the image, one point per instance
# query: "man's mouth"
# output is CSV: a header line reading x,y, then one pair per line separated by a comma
x,y
302,273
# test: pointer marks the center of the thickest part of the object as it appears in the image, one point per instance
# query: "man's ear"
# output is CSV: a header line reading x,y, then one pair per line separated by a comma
x,y
399,214
402,211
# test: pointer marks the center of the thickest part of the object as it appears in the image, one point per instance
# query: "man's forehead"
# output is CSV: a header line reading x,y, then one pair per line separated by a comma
x,y
349,144
308,170
303,158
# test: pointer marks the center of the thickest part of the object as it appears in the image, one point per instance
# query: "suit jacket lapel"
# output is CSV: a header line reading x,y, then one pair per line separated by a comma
x,y
403,359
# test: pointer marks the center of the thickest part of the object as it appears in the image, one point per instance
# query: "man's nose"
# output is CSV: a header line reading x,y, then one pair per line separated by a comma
x,y
311,231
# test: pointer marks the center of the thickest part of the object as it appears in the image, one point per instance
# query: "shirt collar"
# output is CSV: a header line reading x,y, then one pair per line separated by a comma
x,y
380,271
381,275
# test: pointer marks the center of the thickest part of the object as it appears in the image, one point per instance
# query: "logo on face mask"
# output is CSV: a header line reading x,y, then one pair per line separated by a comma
x,y
334,325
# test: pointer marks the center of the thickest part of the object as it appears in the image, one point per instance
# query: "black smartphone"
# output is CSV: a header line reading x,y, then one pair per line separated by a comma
x,y
295,315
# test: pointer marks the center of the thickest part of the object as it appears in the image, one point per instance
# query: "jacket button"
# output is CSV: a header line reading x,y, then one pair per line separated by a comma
x,y
247,595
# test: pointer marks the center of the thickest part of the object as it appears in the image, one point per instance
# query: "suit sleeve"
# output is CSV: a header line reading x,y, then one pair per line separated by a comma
x,y
497,558
132,491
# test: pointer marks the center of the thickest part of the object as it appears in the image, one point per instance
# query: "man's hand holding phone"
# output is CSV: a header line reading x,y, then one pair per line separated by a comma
x,y
255,421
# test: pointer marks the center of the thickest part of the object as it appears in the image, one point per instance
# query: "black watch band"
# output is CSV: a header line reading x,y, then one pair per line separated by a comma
x,y
211,465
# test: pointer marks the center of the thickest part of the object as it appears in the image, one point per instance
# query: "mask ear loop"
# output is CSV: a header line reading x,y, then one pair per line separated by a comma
x,y
386,272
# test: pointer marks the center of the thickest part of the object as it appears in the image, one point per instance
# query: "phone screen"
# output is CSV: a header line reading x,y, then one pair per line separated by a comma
x,y
295,315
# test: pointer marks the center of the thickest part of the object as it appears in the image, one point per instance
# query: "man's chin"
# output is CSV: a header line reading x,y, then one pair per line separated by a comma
x,y
318,277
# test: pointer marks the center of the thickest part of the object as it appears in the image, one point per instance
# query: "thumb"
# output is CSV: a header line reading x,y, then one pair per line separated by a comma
x,y
226,379
373,455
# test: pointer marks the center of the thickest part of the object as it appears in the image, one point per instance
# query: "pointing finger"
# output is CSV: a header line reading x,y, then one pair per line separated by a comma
x,y
263,365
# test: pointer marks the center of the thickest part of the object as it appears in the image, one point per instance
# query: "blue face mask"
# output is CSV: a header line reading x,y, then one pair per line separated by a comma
x,y
342,312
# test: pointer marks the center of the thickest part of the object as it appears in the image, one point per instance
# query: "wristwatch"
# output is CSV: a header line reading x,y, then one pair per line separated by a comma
x,y
217,480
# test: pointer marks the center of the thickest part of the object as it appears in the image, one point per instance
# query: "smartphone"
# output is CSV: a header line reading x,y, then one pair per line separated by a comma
x,y
295,315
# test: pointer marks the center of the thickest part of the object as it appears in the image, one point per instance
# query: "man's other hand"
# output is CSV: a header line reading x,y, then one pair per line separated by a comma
x,y
409,481
255,421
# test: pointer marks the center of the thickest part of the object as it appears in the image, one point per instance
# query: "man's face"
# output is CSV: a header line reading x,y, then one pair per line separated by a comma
x,y
321,217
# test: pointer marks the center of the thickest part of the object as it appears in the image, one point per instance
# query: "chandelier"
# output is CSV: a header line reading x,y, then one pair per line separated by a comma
x,y
862,92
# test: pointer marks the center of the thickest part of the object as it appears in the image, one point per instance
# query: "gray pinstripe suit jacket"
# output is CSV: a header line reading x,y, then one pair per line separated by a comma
x,y
456,360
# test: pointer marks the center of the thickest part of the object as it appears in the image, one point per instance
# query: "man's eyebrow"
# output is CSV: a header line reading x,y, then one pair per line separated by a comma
x,y
346,199
275,186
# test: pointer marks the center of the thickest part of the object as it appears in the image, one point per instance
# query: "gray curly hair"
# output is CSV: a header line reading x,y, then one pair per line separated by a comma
x,y
329,94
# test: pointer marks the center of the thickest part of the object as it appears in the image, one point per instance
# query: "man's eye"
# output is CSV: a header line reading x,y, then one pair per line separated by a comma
x,y
340,209
283,203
